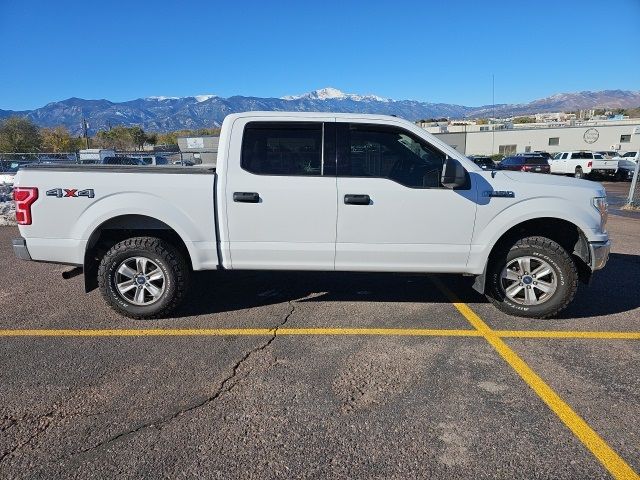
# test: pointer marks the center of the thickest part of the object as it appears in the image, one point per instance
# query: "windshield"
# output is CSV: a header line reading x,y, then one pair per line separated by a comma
x,y
537,161
9,167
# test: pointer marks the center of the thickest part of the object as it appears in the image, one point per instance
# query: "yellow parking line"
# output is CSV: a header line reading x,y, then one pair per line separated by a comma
x,y
408,332
566,334
581,429
235,332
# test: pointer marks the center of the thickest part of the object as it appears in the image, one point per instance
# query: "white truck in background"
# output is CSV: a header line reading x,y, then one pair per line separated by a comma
x,y
94,155
580,164
315,191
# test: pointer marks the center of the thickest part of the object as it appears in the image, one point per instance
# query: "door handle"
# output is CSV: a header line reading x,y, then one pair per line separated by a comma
x,y
246,197
353,199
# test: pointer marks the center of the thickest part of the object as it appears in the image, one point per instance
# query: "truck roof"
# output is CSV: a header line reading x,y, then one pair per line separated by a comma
x,y
311,115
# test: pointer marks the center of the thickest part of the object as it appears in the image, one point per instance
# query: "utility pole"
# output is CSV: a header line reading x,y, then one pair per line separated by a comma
x,y
493,114
85,134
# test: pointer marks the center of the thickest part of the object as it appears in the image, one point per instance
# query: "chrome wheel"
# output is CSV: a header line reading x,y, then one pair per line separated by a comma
x,y
529,280
140,281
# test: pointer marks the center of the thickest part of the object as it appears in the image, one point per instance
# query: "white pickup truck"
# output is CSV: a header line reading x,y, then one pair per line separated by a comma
x,y
315,191
580,164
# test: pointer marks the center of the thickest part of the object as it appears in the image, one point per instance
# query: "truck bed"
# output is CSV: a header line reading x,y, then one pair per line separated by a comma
x,y
76,201
168,169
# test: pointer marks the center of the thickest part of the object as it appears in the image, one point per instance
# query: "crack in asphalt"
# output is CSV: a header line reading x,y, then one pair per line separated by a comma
x,y
225,386
44,421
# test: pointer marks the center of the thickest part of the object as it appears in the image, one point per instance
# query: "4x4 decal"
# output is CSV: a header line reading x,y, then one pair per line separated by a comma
x,y
70,192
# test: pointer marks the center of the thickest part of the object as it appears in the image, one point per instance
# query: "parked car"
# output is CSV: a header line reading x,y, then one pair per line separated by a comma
x,y
608,154
91,156
8,171
310,191
525,163
631,156
627,165
535,153
485,163
626,170
122,161
184,163
580,164
153,160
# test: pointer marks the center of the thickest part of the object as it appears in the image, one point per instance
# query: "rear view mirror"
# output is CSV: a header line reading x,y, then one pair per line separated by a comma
x,y
453,174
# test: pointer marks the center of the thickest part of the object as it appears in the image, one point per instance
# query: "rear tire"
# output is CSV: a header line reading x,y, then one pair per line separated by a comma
x,y
143,277
579,173
535,278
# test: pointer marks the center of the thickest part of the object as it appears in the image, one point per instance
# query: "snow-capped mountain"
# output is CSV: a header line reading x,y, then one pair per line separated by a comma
x,y
204,111
330,93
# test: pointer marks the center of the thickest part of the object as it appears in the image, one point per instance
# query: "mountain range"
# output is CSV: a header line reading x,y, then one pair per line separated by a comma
x,y
162,114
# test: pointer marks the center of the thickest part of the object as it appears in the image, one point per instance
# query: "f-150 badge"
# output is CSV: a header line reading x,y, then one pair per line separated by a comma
x,y
70,193
499,193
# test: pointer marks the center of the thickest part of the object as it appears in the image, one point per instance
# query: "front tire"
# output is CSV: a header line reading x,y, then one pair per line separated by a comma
x,y
143,277
535,278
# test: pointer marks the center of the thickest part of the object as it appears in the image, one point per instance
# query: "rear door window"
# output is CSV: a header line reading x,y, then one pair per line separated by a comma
x,y
278,148
537,161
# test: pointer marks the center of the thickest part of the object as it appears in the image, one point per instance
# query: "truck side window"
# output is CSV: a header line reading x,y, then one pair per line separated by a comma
x,y
270,148
378,151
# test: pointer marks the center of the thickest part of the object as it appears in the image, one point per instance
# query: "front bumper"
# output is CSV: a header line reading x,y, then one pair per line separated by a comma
x,y
20,248
599,254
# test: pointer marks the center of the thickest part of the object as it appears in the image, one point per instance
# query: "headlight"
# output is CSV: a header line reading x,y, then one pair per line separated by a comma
x,y
600,204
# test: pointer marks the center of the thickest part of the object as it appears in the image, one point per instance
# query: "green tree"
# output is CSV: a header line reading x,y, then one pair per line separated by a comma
x,y
524,120
19,134
138,137
58,139
169,138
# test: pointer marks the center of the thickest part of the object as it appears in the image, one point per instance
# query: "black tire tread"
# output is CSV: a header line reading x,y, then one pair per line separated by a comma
x,y
163,249
547,244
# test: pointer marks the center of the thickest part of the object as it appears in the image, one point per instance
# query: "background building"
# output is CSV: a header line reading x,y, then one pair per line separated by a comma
x,y
506,138
201,149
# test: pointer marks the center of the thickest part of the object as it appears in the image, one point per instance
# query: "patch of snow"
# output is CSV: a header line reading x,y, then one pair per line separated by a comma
x,y
330,93
163,98
203,98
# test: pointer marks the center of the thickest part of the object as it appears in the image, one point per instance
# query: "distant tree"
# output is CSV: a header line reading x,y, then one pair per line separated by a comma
x,y
632,112
524,120
482,121
433,120
58,139
127,138
169,138
138,137
19,134
151,138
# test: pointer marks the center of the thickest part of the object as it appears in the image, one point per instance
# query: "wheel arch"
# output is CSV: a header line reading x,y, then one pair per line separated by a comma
x,y
119,228
567,234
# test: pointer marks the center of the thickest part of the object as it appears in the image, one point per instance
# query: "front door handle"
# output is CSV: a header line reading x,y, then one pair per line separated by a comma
x,y
246,197
353,199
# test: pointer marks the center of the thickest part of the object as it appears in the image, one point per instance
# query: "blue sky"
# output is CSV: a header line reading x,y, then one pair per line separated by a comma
x,y
440,51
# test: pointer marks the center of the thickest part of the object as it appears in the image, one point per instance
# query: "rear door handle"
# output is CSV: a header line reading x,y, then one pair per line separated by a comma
x,y
356,199
246,197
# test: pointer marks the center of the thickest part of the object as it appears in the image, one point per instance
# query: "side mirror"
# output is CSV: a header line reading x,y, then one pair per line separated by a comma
x,y
453,174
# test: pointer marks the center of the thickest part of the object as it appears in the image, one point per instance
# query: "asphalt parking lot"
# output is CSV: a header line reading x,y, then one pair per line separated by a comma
x,y
320,375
